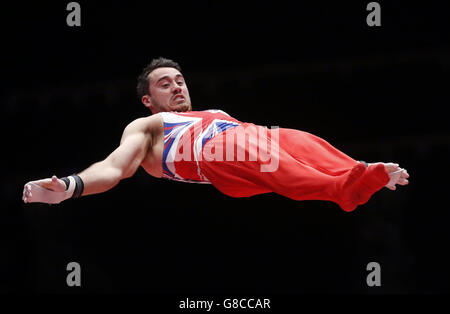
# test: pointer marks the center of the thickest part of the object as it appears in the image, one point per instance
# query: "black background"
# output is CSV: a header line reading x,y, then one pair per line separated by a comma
x,y
376,93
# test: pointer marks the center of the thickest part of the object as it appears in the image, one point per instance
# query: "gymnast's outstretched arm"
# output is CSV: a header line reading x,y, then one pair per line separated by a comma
x,y
99,177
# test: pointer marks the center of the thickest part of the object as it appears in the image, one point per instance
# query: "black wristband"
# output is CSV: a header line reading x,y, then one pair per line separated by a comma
x,y
66,181
79,186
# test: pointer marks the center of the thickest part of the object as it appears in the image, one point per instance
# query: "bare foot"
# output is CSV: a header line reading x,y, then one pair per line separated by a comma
x,y
397,175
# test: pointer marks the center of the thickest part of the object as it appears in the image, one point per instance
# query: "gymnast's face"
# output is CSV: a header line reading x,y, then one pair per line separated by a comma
x,y
168,91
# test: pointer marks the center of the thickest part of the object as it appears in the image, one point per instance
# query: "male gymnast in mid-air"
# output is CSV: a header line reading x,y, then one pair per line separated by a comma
x,y
239,159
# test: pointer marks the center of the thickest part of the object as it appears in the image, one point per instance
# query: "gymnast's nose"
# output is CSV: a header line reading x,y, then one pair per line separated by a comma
x,y
176,89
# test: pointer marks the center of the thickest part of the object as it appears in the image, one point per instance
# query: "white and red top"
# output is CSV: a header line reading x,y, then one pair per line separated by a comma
x,y
185,135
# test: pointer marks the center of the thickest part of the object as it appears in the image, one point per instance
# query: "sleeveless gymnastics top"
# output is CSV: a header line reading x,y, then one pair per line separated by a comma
x,y
185,135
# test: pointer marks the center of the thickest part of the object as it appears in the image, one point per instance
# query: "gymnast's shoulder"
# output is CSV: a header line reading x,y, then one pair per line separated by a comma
x,y
149,125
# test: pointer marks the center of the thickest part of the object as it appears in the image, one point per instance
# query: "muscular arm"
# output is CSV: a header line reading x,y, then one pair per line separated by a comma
x,y
120,164
101,176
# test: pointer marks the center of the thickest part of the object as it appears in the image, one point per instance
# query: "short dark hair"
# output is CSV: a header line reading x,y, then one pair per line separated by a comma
x,y
142,81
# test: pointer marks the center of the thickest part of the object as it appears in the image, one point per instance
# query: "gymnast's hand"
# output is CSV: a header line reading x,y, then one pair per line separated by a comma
x,y
41,191
397,175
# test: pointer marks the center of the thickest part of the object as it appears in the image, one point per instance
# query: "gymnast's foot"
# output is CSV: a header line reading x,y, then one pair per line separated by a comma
x,y
361,182
397,175
379,175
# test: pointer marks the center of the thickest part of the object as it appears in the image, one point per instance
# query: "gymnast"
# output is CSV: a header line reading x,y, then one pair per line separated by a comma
x,y
240,159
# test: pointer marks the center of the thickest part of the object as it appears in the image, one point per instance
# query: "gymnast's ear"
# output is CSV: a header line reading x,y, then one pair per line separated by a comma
x,y
147,101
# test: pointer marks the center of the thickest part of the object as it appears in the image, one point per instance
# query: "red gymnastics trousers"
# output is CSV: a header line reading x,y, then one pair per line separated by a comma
x,y
307,167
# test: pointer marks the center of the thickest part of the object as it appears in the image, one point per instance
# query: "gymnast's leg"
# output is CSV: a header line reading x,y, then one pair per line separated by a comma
x,y
309,169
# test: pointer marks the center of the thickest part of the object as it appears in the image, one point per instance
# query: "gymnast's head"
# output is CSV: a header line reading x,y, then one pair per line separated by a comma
x,y
161,87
